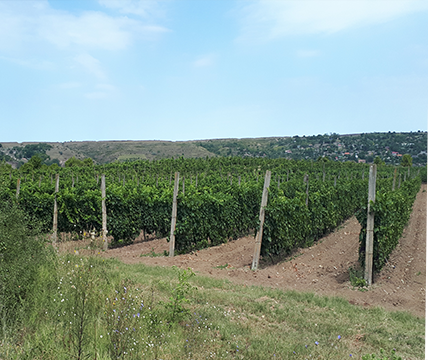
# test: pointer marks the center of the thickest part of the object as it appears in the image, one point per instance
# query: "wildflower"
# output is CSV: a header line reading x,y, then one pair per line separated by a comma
x,y
316,342
339,337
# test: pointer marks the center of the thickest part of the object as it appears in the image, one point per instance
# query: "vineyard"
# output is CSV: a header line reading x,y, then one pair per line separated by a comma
x,y
219,200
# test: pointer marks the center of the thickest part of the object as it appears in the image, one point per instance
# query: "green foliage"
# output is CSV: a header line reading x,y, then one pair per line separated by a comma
x,y
423,174
406,160
356,276
77,305
35,162
392,211
73,162
223,205
31,150
289,223
88,162
22,255
378,161
382,356
176,311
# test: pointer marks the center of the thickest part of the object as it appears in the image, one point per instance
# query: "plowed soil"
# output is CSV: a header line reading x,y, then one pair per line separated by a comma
x,y
322,268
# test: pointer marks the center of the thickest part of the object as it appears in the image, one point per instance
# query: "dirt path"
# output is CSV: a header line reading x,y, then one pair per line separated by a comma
x,y
322,268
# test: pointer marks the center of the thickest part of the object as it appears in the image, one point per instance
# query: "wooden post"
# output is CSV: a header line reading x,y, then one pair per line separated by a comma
x,y
18,187
72,181
306,180
258,243
279,181
196,181
335,180
97,179
174,214
368,273
55,214
239,180
104,210
362,176
399,180
183,184
393,181
287,174
408,172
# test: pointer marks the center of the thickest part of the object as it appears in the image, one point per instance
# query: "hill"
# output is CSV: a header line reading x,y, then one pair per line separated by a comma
x,y
389,146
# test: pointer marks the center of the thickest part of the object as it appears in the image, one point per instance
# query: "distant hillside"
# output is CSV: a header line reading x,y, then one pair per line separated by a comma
x,y
353,147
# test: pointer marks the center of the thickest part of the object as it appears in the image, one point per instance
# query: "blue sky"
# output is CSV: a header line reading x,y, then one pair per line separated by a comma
x,y
200,69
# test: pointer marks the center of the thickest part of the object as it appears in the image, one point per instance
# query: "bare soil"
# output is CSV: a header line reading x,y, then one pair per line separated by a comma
x,y
322,268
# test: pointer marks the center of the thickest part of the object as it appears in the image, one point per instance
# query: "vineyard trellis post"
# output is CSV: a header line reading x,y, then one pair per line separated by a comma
x,y
368,272
104,210
18,186
306,179
393,181
55,213
259,236
174,215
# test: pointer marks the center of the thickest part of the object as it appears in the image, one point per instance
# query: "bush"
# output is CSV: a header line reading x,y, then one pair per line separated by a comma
x,y
21,256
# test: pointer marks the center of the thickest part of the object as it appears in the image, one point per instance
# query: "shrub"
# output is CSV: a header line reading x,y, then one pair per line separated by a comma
x,y
21,256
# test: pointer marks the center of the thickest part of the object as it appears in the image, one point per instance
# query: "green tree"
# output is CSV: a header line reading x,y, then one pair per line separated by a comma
x,y
88,162
323,158
406,160
73,162
378,161
36,162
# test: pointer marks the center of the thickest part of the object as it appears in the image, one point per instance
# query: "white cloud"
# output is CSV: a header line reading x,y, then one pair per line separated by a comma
x,y
30,63
27,22
143,8
204,61
269,19
92,65
307,53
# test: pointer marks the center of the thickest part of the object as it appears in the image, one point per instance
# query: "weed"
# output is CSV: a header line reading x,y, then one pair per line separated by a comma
x,y
175,308
357,279
222,266
383,356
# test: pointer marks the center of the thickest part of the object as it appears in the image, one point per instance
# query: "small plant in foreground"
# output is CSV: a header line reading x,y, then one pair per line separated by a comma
x,y
176,311
356,278
77,305
383,356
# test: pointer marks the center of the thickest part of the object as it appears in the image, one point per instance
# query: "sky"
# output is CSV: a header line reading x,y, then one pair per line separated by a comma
x,y
74,70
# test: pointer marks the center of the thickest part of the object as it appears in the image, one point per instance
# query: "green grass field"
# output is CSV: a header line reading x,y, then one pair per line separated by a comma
x,y
220,320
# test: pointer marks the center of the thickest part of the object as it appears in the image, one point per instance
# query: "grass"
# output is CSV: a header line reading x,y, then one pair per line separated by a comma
x,y
154,254
222,320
